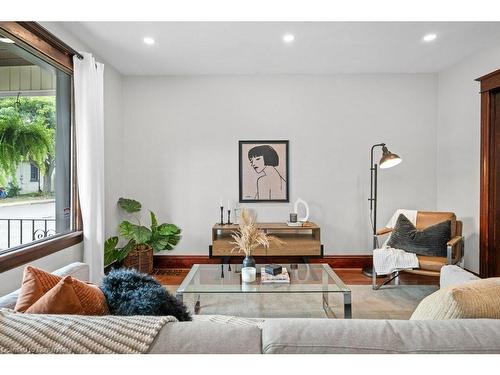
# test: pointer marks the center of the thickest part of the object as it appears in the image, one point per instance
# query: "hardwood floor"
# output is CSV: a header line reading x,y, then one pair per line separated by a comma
x,y
350,276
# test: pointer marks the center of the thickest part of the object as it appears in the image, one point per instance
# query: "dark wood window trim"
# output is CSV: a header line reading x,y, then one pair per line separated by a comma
x,y
18,256
37,40
487,251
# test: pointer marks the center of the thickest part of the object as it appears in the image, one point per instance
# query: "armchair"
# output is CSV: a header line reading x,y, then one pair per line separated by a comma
x,y
431,265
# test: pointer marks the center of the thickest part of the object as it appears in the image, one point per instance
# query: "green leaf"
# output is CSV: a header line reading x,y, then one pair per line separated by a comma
x,y
123,252
159,244
168,229
139,233
174,240
129,205
109,257
110,243
154,222
110,251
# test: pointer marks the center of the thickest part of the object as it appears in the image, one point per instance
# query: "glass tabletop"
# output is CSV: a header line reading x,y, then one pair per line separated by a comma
x,y
304,278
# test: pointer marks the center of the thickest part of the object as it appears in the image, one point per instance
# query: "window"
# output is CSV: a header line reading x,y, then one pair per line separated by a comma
x,y
34,173
36,163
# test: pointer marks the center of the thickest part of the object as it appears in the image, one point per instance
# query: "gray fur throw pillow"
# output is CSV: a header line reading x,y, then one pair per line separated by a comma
x,y
430,241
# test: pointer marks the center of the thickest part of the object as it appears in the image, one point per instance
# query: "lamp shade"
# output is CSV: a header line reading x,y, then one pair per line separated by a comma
x,y
389,159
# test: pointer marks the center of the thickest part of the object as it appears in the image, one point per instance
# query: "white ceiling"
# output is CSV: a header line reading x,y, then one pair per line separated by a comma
x,y
192,48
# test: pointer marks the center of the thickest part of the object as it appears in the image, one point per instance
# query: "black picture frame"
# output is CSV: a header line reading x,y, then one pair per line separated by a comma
x,y
241,160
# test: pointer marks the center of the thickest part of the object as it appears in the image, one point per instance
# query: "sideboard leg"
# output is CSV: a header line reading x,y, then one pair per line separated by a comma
x,y
228,261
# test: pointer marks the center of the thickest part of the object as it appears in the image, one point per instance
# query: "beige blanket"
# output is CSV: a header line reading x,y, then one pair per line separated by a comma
x,y
32,333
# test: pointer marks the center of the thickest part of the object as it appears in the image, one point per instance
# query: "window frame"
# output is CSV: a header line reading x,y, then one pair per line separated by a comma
x,y
37,40
36,177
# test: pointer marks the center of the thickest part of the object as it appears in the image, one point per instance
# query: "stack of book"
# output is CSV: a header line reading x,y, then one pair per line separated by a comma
x,y
281,278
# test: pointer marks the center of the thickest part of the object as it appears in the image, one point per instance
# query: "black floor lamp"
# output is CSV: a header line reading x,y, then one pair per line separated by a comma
x,y
388,160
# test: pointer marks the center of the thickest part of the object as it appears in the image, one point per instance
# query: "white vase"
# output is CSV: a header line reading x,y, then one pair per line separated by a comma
x,y
296,210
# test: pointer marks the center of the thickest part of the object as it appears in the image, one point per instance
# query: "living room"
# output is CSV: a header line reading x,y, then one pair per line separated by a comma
x,y
297,179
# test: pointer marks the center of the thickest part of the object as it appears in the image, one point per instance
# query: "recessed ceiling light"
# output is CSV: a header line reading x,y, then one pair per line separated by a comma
x,y
429,37
288,38
6,40
149,41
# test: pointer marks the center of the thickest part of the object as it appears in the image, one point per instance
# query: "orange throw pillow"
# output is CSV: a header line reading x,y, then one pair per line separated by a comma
x,y
91,297
61,299
36,283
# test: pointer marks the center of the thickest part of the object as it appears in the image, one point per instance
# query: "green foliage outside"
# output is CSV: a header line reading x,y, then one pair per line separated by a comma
x,y
158,236
13,190
27,134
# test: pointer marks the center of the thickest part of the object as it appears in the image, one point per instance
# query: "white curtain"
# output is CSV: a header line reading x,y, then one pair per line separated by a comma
x,y
89,127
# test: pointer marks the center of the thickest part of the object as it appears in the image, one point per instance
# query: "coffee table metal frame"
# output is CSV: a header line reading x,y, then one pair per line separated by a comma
x,y
224,279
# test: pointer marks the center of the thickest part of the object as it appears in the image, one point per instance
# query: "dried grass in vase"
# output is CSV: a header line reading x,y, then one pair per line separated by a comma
x,y
249,237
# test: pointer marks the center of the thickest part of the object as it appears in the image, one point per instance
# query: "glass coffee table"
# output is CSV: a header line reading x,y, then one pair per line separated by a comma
x,y
304,278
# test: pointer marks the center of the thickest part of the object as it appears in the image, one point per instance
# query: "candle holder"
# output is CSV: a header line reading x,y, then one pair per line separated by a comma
x,y
228,217
221,215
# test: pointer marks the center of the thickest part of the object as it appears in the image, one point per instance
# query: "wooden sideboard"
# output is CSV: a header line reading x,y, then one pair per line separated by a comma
x,y
302,241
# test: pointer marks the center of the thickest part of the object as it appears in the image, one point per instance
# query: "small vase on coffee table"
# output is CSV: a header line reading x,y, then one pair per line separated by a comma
x,y
248,271
248,261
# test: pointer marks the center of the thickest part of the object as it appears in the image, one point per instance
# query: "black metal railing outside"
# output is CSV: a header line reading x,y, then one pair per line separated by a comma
x,y
15,232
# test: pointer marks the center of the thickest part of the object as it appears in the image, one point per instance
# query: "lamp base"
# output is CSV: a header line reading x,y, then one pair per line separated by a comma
x,y
368,271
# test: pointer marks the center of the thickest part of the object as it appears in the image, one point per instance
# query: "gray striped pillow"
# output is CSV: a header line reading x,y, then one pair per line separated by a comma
x,y
430,241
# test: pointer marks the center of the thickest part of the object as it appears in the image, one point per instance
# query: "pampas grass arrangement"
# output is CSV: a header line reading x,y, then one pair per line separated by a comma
x,y
249,236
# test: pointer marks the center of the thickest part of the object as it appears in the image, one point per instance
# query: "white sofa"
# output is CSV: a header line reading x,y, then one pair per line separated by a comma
x,y
323,335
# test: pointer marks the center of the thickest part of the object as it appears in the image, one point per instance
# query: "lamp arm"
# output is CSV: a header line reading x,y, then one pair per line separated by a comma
x,y
372,149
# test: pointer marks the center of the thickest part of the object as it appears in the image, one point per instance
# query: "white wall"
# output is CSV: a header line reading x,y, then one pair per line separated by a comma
x,y
23,179
181,147
458,144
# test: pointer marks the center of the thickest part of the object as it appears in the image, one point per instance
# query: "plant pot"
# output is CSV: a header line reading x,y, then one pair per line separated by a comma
x,y
248,261
141,258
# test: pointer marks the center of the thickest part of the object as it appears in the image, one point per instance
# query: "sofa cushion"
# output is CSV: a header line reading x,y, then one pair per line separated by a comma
x,y
323,336
61,299
207,338
71,296
430,241
129,292
36,283
229,319
78,270
475,299
454,275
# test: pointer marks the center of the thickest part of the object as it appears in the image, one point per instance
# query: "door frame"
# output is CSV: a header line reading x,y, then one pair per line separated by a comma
x,y
487,253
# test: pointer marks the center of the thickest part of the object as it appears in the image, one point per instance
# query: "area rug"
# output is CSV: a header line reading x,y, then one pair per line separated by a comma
x,y
390,302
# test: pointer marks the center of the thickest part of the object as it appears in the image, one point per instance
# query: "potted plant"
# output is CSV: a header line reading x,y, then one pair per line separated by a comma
x,y
247,239
140,242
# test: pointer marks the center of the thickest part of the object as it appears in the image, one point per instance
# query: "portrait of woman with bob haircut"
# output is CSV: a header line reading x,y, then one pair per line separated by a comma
x,y
268,163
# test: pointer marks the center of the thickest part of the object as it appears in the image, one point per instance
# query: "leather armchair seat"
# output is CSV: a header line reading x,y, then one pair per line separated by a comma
x,y
430,265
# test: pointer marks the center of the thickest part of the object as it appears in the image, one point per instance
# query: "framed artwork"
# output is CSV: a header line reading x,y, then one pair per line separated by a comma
x,y
263,171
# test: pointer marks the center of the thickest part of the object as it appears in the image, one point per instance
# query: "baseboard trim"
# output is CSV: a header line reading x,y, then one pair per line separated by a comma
x,y
335,261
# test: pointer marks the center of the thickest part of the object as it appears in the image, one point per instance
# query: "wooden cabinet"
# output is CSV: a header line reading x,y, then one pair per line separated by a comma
x,y
302,241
